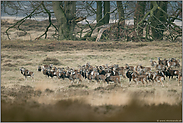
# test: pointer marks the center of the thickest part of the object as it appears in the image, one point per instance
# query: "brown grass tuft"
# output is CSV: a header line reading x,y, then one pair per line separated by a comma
x,y
53,61
18,57
10,65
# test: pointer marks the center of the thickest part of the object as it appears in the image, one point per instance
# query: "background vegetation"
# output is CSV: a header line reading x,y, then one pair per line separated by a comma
x,y
153,20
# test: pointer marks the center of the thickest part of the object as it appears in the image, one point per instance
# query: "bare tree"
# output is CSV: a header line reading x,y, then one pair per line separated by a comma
x,y
99,12
158,19
106,11
139,14
121,13
153,17
65,15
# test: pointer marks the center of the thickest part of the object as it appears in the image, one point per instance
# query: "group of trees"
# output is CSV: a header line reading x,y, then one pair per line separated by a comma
x,y
153,20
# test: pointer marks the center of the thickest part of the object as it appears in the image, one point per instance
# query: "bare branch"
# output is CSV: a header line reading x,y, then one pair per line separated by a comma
x,y
50,23
21,21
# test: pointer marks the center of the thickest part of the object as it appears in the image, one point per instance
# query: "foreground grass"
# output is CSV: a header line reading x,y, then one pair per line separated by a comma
x,y
69,110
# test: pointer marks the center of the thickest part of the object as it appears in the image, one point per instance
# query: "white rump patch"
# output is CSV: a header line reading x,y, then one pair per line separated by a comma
x,y
113,72
92,73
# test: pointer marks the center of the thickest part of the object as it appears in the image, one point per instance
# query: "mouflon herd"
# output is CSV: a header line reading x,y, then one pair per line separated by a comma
x,y
114,73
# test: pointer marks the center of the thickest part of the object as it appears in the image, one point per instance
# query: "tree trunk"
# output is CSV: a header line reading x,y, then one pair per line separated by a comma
x,y
106,10
65,15
121,13
121,22
59,14
99,12
70,10
138,15
158,22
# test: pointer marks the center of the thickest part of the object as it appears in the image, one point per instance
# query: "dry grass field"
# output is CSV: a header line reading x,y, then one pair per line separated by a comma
x,y
46,99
